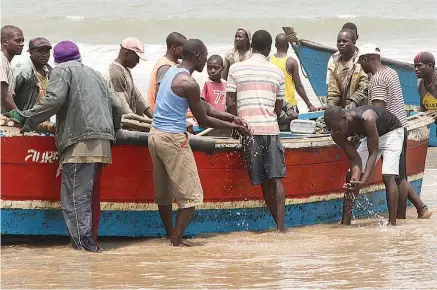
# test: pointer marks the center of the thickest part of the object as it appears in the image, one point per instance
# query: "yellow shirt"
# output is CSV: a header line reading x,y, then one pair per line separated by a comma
x,y
281,63
43,81
429,102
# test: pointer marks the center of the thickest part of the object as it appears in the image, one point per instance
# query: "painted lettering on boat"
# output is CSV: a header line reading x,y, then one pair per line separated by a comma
x,y
42,157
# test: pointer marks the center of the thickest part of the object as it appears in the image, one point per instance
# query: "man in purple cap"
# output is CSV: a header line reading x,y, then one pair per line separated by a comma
x,y
12,42
32,77
77,94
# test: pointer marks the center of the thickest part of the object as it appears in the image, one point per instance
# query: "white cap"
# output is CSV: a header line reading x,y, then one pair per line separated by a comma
x,y
368,48
134,44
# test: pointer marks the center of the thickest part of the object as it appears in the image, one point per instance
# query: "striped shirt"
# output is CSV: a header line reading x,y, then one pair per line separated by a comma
x,y
258,85
385,86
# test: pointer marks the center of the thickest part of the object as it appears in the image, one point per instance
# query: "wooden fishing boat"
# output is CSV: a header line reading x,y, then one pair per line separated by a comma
x,y
314,60
316,167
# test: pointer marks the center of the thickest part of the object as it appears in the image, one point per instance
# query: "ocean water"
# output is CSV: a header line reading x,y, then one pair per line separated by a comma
x,y
401,28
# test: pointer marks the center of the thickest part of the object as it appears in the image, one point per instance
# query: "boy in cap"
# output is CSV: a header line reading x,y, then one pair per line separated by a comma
x,y
32,77
87,114
119,78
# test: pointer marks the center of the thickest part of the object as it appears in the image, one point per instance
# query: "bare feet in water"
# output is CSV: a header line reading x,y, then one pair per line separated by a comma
x,y
425,213
179,244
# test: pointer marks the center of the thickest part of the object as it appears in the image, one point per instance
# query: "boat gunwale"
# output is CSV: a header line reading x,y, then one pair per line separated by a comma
x,y
229,144
321,47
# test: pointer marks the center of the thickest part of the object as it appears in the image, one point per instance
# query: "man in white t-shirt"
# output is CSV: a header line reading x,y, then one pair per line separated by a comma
x,y
12,44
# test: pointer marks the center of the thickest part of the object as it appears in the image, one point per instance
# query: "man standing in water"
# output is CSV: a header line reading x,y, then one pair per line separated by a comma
x,y
87,112
255,92
240,52
290,68
174,42
384,136
175,173
385,91
119,78
347,82
12,44
32,77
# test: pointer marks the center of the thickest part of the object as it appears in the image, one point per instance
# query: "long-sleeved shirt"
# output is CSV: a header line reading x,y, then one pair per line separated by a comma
x,y
347,82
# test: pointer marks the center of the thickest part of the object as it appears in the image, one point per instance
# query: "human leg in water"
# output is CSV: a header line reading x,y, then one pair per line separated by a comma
x,y
182,220
423,212
402,184
77,187
392,193
166,214
348,204
273,192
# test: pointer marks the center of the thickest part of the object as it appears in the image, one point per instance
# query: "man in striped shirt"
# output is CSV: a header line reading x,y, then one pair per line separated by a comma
x,y
385,91
255,92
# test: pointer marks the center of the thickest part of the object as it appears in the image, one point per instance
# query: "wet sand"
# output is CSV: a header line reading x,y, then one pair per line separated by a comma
x,y
367,254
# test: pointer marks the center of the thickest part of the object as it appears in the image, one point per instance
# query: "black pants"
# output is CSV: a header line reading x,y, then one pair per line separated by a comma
x,y
80,202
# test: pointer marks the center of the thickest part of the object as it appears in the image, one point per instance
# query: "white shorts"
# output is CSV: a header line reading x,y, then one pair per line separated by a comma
x,y
390,147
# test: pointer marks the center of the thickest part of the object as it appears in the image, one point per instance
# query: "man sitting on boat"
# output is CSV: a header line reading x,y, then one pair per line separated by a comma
x,y
32,77
87,112
255,91
175,174
384,135
119,78
385,91
12,44
290,67
347,82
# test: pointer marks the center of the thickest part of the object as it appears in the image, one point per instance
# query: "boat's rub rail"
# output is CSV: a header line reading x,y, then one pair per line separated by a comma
x,y
150,206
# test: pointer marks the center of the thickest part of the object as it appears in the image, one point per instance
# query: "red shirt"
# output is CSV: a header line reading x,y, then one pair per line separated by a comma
x,y
215,94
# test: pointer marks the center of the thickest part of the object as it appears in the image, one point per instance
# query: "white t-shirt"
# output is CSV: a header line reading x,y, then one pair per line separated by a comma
x,y
6,75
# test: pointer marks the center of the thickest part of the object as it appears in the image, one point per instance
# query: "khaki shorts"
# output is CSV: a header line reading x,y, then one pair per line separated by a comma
x,y
175,173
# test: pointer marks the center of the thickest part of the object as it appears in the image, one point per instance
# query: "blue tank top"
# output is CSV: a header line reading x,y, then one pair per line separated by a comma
x,y
170,109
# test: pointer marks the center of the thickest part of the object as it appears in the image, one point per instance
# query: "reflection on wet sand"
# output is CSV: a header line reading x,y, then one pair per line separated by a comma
x,y
367,254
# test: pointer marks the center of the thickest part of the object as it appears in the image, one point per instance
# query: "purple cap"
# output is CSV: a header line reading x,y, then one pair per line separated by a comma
x,y
65,51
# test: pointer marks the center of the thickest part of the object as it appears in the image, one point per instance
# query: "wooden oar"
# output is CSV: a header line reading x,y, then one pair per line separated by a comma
x,y
137,118
135,125
206,131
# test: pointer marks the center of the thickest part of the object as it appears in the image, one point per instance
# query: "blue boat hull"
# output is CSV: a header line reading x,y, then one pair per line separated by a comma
x,y
314,59
147,223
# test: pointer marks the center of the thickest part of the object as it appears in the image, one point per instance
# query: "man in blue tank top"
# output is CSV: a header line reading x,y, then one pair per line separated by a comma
x,y
175,175
384,135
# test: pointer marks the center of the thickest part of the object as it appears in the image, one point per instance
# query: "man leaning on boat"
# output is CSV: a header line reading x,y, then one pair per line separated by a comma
x,y
255,92
77,94
175,174
384,136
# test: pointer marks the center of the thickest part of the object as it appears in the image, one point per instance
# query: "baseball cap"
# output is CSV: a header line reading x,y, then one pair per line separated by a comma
x,y
368,48
39,42
134,44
